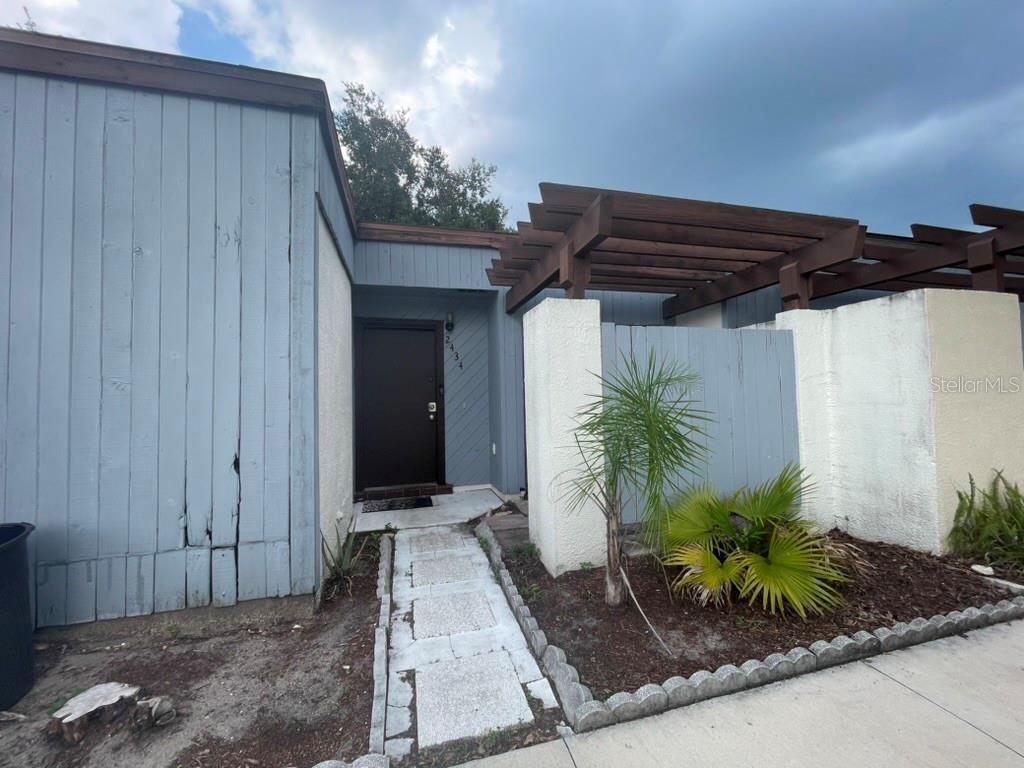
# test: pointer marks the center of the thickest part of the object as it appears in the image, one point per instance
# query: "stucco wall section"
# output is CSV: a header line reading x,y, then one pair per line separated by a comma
x,y
978,406
562,363
334,388
885,450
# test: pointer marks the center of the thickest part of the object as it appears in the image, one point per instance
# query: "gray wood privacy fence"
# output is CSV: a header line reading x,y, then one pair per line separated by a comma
x,y
157,347
748,389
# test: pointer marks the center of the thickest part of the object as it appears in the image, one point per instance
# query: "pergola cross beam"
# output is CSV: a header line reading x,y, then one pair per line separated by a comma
x,y
794,268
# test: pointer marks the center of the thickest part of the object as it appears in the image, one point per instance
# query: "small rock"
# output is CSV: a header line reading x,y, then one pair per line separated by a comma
x,y
984,570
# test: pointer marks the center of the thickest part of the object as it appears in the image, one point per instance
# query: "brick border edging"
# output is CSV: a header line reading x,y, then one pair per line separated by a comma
x,y
585,713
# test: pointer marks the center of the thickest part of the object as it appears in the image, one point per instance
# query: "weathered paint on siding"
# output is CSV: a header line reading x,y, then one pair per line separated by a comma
x,y
156,346
748,388
422,266
466,356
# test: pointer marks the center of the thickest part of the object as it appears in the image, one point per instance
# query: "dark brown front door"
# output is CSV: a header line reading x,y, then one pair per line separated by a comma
x,y
399,391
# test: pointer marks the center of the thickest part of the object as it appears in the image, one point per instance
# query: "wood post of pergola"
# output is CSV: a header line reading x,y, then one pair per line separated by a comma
x,y
987,267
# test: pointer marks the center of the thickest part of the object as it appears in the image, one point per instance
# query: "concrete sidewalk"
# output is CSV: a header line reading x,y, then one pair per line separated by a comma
x,y
952,702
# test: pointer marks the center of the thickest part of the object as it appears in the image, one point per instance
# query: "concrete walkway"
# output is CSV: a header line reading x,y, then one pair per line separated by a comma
x,y
458,664
952,702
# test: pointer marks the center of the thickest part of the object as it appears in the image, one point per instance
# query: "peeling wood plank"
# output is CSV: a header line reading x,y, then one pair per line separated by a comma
x,y
197,576
139,585
51,594
303,507
278,291
253,327
252,571
111,582
169,580
115,424
86,372
225,584
81,592
55,331
145,335
227,325
201,261
173,335
279,581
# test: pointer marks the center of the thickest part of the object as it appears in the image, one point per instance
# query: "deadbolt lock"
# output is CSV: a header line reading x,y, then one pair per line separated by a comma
x,y
431,407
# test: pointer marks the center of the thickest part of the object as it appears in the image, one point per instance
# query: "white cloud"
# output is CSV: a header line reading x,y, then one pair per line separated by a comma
x,y
152,24
437,65
995,127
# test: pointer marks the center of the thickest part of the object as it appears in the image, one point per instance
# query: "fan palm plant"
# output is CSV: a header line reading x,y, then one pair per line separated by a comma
x,y
636,441
754,543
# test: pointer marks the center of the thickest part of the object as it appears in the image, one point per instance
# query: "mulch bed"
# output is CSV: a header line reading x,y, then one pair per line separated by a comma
x,y
614,650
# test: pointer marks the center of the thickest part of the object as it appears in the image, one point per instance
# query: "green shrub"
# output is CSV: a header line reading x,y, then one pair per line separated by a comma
x,y
989,523
755,543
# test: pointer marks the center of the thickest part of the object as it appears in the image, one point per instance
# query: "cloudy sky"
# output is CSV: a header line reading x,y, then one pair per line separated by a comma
x,y
890,111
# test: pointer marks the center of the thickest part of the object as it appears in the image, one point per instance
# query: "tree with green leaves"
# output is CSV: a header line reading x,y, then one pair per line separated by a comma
x,y
637,440
397,180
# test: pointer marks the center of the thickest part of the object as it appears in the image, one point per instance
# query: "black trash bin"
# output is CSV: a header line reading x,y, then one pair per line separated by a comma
x,y
16,672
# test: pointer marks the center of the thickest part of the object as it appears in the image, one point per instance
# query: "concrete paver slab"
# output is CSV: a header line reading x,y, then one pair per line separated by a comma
x,y
468,697
451,614
443,571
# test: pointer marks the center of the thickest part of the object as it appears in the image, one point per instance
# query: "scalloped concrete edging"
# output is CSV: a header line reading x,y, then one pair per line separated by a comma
x,y
585,713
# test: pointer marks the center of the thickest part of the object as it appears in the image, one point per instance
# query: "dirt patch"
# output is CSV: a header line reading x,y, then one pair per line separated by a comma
x,y
615,651
279,690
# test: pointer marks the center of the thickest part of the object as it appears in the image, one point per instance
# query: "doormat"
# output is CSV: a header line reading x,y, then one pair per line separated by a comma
x,y
390,505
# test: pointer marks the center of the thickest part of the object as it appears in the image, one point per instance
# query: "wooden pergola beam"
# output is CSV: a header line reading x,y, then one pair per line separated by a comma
x,y
673,210
566,261
991,216
926,258
845,245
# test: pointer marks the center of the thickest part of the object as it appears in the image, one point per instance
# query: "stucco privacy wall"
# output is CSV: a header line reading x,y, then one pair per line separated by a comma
x,y
886,447
334,389
562,366
157,355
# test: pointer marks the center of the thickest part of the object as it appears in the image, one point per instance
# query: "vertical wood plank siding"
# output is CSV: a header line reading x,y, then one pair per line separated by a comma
x,y
747,387
157,408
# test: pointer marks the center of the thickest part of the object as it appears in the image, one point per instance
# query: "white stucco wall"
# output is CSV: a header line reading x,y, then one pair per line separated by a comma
x,y
887,451
334,389
562,363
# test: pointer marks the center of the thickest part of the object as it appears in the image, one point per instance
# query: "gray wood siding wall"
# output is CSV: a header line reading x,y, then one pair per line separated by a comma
x,y
748,388
157,348
422,266
466,379
761,306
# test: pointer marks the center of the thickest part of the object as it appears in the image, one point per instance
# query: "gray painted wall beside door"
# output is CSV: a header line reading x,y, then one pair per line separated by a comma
x,y
157,401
